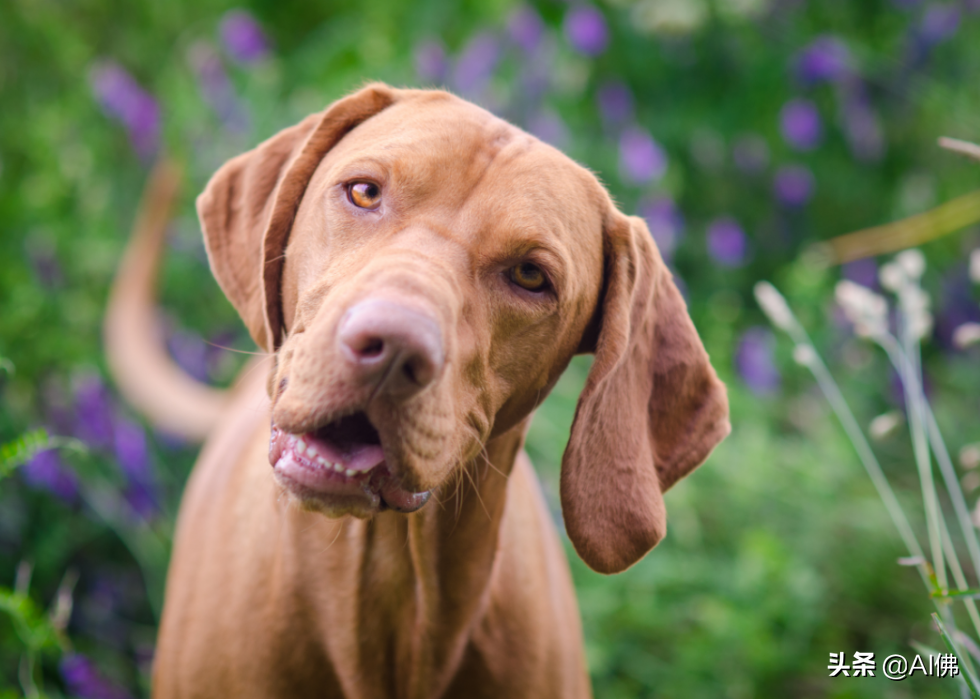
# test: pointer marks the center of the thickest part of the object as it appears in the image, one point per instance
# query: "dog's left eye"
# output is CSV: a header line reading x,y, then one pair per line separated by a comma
x,y
364,195
528,276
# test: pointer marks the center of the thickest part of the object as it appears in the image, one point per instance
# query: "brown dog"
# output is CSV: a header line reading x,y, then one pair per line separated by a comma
x,y
421,273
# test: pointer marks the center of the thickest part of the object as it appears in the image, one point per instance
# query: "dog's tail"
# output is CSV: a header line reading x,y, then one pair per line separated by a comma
x,y
138,360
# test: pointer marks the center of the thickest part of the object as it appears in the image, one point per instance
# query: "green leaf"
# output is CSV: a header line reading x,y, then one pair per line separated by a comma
x,y
971,681
19,451
950,595
30,623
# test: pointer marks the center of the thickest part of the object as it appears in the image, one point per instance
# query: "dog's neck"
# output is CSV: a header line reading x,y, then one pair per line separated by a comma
x,y
408,590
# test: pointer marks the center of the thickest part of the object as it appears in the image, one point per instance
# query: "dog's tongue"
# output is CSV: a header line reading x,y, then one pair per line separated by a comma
x,y
353,456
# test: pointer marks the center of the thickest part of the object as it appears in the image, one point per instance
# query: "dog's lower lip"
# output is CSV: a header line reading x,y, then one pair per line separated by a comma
x,y
340,467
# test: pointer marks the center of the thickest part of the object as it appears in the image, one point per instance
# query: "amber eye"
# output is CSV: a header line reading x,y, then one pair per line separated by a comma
x,y
364,195
528,276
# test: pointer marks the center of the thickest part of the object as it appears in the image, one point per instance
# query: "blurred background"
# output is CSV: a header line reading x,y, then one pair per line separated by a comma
x,y
744,131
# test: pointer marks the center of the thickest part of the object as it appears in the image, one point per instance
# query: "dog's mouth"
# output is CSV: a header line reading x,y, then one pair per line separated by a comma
x,y
341,468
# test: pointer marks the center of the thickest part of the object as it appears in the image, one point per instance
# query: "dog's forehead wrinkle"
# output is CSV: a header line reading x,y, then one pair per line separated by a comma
x,y
517,211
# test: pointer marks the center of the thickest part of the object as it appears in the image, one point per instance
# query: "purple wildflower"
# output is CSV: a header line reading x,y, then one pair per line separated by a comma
x,y
800,124
190,352
143,654
863,128
123,99
141,499
58,407
134,462
43,257
46,268
665,222
476,64
525,28
93,412
586,30
939,22
863,272
641,159
615,102
242,37
750,154
826,58
215,87
727,243
131,451
47,472
793,185
549,127
536,78
430,62
955,305
754,361
84,680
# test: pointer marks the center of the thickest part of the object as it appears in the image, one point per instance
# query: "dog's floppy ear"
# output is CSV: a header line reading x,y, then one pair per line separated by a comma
x,y
248,207
651,411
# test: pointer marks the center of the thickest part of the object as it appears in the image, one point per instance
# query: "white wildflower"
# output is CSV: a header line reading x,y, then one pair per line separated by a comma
x,y
885,424
975,266
915,306
805,355
920,326
670,17
912,262
863,307
970,482
913,299
892,276
970,456
966,335
774,305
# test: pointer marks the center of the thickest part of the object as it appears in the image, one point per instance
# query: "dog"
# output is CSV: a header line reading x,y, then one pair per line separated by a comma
x,y
363,521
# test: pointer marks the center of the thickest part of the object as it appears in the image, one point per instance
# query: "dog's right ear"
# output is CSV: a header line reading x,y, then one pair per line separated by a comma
x,y
248,207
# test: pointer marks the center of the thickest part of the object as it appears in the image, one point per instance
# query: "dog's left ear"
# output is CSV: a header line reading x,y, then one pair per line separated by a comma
x,y
651,411
248,207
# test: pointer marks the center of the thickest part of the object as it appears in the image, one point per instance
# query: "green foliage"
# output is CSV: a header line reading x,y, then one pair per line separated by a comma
x,y
19,451
31,625
22,450
778,551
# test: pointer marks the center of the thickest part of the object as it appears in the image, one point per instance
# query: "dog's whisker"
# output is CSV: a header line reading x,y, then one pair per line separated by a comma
x,y
256,353
336,536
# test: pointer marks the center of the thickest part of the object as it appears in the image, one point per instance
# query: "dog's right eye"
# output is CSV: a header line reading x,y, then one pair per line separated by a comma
x,y
528,275
364,195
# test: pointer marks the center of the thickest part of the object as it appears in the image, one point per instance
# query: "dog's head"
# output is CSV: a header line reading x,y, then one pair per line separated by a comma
x,y
424,272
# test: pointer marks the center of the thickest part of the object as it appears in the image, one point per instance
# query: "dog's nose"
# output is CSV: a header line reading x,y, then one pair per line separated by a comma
x,y
398,348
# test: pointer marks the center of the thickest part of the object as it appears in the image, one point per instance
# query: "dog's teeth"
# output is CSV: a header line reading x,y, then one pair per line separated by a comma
x,y
338,468
350,472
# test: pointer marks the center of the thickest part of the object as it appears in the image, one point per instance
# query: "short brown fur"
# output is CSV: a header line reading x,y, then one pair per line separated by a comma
x,y
470,596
